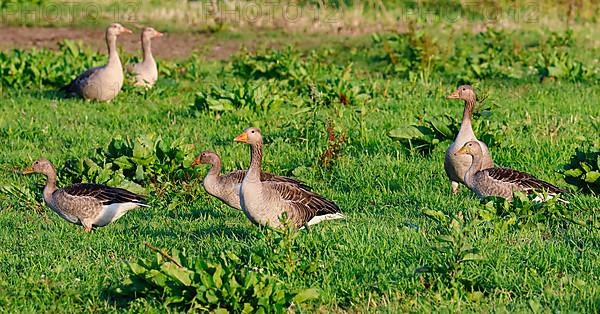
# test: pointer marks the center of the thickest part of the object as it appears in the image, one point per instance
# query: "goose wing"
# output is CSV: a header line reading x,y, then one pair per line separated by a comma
x,y
302,205
106,195
79,82
237,176
523,180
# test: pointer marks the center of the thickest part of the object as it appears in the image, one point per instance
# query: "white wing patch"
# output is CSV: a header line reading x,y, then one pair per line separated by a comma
x,y
317,219
113,212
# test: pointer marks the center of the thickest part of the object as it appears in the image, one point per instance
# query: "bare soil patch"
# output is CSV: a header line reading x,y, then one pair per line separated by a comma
x,y
172,46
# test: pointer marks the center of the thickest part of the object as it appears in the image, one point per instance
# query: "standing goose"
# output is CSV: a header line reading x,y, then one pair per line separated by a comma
x,y
457,165
264,202
500,182
85,204
146,72
102,83
227,187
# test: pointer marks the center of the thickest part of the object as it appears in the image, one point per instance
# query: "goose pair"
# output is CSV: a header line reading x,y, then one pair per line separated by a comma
x,y
468,161
103,83
265,197
85,204
456,166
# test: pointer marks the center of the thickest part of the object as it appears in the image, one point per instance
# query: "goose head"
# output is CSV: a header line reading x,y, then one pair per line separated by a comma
x,y
464,92
250,136
116,29
149,33
207,157
470,148
43,166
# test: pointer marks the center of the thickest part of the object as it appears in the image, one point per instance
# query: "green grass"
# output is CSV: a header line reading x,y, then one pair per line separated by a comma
x,y
366,262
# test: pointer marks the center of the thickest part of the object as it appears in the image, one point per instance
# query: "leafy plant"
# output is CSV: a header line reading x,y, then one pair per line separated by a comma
x,y
583,170
427,134
493,55
130,163
277,252
554,61
258,96
431,131
409,53
334,145
525,211
454,248
271,64
226,284
25,196
338,89
560,65
189,69
20,69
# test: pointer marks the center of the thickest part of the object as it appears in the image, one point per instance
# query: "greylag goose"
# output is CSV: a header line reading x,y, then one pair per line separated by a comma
x,y
85,204
264,202
457,165
500,182
146,72
227,187
102,83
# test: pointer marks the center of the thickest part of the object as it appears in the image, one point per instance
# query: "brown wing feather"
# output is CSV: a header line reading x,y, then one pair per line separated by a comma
x,y
237,176
74,86
306,204
528,182
105,194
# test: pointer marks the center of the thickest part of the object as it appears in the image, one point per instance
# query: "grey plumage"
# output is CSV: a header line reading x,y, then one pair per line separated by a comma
x,y
265,202
502,182
102,83
457,165
226,187
146,72
85,204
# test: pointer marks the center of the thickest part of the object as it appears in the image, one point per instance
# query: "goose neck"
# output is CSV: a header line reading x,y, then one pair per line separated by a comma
x,y
147,49
255,161
467,125
475,167
468,111
50,186
215,168
113,54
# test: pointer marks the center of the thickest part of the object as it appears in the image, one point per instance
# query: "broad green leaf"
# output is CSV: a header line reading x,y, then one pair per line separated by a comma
x,y
405,132
183,275
585,166
442,127
137,268
305,295
436,214
575,172
592,176
472,257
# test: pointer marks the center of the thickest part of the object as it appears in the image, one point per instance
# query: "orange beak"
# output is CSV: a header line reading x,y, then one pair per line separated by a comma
x,y
159,34
28,170
454,95
196,161
126,31
242,138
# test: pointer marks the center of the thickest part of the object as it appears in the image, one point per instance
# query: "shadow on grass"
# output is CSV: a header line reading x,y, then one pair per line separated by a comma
x,y
51,94
235,232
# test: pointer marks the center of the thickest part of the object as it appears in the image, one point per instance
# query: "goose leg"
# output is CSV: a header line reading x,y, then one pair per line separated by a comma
x,y
454,187
87,228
